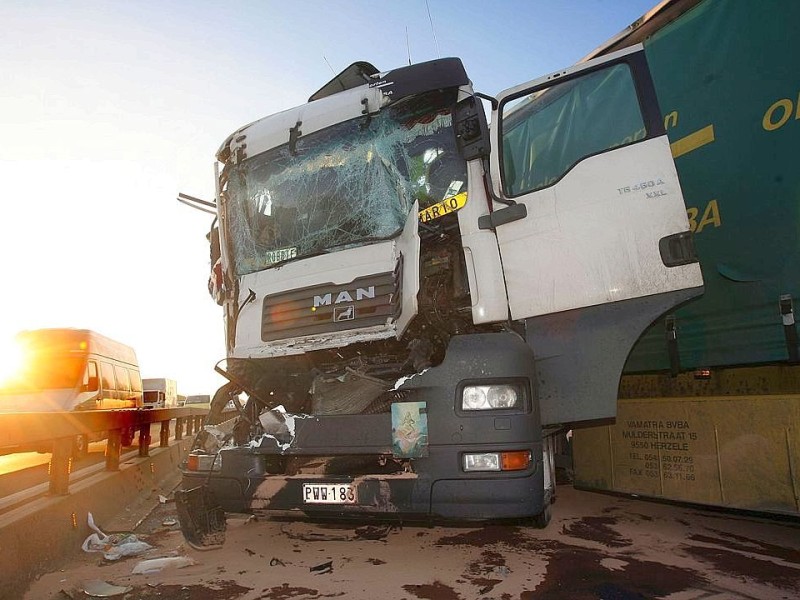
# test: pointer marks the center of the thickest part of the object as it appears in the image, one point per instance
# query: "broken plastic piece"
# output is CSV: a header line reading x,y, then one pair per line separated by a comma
x,y
102,589
169,522
323,568
154,565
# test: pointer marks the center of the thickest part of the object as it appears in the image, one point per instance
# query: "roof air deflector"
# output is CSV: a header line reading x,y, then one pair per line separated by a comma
x,y
353,76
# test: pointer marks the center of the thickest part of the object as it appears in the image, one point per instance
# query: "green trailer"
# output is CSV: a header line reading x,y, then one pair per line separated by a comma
x,y
708,406
727,76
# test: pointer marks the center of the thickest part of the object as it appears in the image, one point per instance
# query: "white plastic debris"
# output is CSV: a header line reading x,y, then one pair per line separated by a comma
x,y
154,565
113,546
102,589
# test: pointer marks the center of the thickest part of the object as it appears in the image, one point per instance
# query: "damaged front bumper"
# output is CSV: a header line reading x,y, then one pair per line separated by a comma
x,y
407,462
437,487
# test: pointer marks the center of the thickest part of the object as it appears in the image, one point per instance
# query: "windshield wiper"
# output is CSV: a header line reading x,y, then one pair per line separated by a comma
x,y
329,249
366,240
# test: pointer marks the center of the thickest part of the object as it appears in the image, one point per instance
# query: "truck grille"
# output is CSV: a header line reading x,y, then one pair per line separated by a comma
x,y
326,308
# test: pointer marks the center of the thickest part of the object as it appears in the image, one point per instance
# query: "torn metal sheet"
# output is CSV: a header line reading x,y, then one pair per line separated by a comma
x,y
279,426
405,379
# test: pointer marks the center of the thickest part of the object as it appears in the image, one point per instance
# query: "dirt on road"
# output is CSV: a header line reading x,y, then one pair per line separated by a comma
x,y
597,547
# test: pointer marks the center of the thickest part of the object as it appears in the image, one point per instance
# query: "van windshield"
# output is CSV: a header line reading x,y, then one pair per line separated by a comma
x,y
45,371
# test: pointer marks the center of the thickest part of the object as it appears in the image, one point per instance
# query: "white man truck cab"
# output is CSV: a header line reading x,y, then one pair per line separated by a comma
x,y
414,302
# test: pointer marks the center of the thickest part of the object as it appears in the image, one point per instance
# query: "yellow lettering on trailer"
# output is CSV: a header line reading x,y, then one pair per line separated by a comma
x,y
710,216
693,141
779,113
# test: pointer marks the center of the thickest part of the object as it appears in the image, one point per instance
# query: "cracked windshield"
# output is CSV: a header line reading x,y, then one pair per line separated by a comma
x,y
351,183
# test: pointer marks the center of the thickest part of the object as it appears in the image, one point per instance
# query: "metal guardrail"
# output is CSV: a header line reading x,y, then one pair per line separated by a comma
x,y
24,430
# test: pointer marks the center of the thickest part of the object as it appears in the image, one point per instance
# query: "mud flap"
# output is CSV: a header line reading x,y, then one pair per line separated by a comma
x,y
202,519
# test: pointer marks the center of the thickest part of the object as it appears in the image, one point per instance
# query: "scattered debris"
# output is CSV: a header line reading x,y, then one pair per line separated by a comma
x,y
274,562
169,522
374,532
154,565
323,568
113,546
102,589
288,529
301,531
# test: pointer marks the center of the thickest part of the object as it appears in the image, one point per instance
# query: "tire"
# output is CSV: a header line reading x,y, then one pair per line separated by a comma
x,y
80,447
542,520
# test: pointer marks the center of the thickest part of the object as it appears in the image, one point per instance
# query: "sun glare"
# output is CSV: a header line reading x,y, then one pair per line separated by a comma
x,y
11,358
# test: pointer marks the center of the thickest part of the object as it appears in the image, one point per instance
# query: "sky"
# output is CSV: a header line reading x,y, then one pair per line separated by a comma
x,y
108,109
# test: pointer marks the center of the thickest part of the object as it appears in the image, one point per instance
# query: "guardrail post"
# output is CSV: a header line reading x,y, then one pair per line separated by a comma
x,y
144,440
164,439
60,466
189,425
113,448
179,428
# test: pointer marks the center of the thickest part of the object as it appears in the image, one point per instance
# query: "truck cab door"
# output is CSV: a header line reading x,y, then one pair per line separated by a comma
x,y
591,225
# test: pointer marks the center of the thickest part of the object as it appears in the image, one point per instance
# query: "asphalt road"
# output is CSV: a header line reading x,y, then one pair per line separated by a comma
x,y
597,547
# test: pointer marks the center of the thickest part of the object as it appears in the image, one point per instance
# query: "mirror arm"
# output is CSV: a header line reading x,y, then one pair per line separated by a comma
x,y
490,99
488,181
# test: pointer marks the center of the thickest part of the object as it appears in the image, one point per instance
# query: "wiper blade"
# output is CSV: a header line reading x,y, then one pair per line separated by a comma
x,y
329,249
366,240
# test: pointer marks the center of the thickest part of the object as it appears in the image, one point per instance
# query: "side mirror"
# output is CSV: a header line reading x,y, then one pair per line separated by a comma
x,y
472,131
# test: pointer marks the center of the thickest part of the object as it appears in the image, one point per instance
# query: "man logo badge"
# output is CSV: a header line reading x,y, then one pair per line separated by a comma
x,y
344,313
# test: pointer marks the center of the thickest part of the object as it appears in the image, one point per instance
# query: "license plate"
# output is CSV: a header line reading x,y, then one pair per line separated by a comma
x,y
329,493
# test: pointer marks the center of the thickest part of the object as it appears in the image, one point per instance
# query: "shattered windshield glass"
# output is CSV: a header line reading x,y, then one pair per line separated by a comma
x,y
352,183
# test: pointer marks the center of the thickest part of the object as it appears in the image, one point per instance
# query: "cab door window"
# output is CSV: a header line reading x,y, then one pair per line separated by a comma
x,y
549,130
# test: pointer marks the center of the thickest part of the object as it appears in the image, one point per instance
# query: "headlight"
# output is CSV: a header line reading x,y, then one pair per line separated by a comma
x,y
518,460
488,397
488,461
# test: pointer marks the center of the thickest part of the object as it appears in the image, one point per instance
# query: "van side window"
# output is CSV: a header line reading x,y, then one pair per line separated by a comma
x,y
136,381
123,381
90,381
108,376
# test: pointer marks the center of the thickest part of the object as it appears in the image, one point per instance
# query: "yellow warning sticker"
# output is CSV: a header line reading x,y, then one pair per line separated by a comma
x,y
445,207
